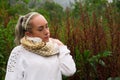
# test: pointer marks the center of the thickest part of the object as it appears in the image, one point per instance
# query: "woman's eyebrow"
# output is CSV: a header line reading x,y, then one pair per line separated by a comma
x,y
43,25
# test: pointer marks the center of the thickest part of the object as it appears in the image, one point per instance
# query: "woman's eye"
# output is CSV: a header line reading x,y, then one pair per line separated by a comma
x,y
40,29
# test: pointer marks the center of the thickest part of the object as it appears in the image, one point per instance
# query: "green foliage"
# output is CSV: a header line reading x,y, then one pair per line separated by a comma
x,y
116,78
52,8
6,43
117,4
97,6
89,63
77,9
26,1
97,58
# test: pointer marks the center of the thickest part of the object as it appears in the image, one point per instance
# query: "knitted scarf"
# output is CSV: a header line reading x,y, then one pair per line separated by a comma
x,y
37,46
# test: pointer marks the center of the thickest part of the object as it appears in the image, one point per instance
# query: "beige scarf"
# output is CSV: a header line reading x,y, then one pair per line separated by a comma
x,y
36,45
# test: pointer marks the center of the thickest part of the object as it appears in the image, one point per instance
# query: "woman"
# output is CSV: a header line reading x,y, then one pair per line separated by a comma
x,y
37,56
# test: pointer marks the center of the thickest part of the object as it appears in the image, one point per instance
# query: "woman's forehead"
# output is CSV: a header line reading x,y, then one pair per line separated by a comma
x,y
39,19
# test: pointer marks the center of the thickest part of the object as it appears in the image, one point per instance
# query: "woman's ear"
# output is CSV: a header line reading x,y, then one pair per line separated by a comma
x,y
28,34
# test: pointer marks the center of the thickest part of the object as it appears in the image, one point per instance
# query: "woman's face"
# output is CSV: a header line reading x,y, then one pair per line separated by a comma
x,y
40,28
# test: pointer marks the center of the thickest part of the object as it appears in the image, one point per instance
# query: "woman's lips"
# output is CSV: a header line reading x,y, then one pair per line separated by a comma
x,y
46,38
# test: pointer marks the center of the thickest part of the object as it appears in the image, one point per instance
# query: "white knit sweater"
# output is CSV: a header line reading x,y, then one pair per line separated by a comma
x,y
25,65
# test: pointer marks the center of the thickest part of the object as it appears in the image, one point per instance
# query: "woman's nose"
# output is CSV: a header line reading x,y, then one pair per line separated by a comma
x,y
46,31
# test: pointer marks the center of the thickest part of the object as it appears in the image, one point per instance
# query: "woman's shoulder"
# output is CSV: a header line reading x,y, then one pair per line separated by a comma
x,y
17,53
17,49
57,41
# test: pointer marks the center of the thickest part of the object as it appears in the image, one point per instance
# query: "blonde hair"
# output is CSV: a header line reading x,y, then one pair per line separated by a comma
x,y
22,26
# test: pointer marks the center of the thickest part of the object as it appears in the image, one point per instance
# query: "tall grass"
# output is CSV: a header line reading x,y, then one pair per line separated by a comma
x,y
96,33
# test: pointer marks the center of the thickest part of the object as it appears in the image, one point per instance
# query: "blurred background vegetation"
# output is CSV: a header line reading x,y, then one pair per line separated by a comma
x,y
90,28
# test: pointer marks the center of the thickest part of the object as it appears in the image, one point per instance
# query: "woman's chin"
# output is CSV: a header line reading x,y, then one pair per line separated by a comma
x,y
46,40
